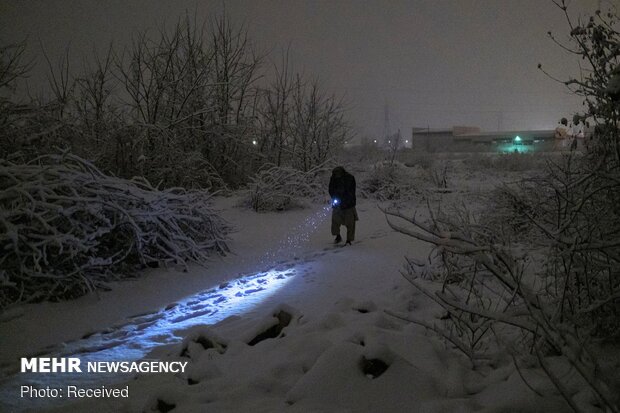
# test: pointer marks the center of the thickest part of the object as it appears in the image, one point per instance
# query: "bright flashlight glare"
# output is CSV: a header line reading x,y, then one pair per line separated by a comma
x,y
335,202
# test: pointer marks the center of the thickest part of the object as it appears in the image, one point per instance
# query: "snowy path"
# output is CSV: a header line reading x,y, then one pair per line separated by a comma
x,y
134,338
296,242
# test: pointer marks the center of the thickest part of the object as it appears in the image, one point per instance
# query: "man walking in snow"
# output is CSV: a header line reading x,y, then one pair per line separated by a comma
x,y
342,192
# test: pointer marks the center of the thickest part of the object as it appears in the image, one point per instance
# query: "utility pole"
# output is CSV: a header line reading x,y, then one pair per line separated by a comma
x,y
500,120
386,123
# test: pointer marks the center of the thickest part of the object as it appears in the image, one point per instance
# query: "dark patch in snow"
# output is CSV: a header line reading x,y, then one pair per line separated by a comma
x,y
445,316
164,407
284,319
365,307
90,334
152,264
205,342
373,368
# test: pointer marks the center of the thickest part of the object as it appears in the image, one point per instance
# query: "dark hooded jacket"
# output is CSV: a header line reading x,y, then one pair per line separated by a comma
x,y
342,188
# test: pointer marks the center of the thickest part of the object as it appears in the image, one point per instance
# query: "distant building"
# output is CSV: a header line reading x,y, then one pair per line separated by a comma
x,y
471,139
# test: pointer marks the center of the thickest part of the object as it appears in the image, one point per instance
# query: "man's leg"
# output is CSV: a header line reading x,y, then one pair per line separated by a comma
x,y
336,222
349,221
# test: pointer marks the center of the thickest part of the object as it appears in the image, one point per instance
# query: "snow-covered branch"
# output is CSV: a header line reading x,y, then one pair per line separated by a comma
x,y
66,228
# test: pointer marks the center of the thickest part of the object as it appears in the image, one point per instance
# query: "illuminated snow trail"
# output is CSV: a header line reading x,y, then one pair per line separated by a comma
x,y
297,238
133,339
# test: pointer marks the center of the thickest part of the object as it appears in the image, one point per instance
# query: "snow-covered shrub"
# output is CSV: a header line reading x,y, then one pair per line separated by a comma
x,y
517,162
506,211
388,181
189,170
479,161
424,161
548,298
279,188
508,162
66,228
438,175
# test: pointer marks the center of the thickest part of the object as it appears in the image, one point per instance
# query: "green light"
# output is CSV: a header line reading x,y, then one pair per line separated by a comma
x,y
517,138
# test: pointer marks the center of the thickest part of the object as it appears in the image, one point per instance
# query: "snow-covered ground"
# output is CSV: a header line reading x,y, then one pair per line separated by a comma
x,y
287,323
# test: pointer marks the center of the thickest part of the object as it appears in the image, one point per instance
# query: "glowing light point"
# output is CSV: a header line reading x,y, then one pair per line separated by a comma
x,y
335,202
254,142
517,139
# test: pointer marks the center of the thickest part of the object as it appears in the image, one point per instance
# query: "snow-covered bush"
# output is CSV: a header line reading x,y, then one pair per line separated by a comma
x,y
389,181
438,175
517,162
506,212
533,277
66,228
477,161
424,161
174,167
508,162
502,300
283,188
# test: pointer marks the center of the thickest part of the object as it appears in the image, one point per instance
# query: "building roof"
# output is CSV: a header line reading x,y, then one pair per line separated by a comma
x,y
474,134
523,134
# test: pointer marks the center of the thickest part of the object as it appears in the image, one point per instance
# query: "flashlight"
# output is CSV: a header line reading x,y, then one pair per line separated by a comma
x,y
335,202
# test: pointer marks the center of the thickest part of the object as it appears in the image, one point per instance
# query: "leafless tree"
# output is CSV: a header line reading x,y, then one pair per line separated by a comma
x,y
60,82
94,92
12,68
275,111
318,126
185,106
12,65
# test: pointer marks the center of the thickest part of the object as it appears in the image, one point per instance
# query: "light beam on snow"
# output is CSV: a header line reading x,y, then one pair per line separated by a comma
x,y
290,247
141,334
134,340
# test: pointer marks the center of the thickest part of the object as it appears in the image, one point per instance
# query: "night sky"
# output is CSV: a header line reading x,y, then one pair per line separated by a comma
x,y
434,63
